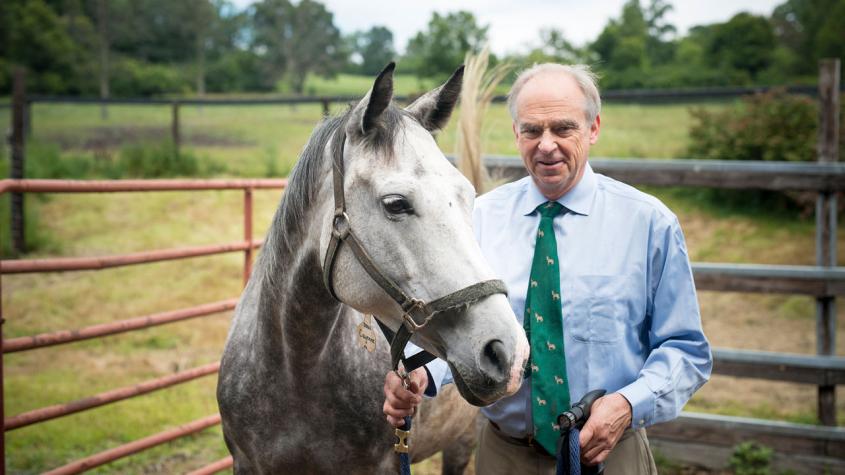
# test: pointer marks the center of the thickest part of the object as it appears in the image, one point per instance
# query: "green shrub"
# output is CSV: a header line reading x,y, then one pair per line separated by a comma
x,y
45,160
771,126
750,458
156,161
136,78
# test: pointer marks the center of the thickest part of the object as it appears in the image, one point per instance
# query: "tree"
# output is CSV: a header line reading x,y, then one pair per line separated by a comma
x,y
36,37
621,46
296,40
375,49
744,43
810,30
441,49
660,47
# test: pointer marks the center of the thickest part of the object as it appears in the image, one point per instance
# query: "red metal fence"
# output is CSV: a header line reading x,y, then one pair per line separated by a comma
x,y
95,331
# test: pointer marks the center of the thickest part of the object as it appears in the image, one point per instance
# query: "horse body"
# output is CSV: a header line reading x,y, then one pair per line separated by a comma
x,y
296,390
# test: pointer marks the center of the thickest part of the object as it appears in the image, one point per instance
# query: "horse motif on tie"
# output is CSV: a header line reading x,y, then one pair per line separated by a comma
x,y
551,346
558,379
541,402
538,317
550,261
555,295
534,368
533,283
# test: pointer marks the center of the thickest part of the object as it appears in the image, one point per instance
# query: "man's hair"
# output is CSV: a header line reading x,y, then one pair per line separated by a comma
x,y
581,73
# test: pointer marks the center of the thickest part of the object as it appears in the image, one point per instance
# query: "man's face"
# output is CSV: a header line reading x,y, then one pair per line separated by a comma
x,y
552,133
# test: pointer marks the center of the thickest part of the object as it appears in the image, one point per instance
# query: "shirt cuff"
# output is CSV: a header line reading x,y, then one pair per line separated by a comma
x,y
642,402
436,371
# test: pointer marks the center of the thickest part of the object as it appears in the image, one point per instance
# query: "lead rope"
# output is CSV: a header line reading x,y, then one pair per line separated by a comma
x,y
571,464
401,447
570,423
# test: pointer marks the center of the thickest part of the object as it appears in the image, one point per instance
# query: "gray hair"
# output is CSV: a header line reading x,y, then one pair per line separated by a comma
x,y
581,73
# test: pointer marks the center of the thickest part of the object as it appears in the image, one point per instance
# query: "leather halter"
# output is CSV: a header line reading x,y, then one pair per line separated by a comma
x,y
416,312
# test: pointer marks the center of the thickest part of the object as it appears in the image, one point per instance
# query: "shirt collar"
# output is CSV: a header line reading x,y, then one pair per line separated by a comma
x,y
578,200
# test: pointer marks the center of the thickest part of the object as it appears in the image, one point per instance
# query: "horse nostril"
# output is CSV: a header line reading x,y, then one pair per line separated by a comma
x,y
494,361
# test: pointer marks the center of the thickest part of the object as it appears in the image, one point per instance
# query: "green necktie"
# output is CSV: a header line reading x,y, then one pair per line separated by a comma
x,y
543,324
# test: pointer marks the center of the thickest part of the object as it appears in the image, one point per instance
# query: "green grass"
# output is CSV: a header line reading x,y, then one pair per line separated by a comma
x,y
265,141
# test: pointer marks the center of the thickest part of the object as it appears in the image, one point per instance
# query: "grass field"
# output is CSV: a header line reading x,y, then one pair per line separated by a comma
x,y
265,141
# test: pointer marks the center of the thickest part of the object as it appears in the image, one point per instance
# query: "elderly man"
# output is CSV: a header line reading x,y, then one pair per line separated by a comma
x,y
598,273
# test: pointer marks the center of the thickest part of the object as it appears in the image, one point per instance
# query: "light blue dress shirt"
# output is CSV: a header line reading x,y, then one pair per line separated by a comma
x,y
631,322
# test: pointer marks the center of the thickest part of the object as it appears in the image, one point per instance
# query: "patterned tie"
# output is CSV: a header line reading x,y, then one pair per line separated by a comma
x,y
543,324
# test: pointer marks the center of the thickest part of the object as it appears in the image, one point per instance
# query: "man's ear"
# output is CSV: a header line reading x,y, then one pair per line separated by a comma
x,y
515,132
594,130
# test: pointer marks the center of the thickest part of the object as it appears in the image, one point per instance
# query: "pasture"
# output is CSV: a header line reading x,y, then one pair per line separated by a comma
x,y
265,141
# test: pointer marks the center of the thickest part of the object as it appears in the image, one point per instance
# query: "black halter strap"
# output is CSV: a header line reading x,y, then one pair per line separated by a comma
x,y
415,312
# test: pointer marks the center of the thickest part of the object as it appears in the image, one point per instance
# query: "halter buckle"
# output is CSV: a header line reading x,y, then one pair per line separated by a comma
x,y
408,320
340,224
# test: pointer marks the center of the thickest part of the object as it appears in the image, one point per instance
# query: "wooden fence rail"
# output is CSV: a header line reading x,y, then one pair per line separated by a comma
x,y
708,440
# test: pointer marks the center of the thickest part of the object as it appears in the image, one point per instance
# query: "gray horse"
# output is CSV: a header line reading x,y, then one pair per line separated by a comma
x,y
300,384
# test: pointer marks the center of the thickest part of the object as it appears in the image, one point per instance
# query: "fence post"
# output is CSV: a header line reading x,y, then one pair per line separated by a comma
x,y
247,234
826,208
325,102
2,387
18,240
27,119
174,126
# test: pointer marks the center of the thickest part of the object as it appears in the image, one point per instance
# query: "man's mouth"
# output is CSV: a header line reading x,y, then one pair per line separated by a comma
x,y
550,162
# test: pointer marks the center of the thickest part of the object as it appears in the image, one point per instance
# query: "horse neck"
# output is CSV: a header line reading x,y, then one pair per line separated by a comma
x,y
298,320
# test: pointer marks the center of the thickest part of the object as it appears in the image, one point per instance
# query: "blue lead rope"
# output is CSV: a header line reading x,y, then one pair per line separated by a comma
x,y
570,465
405,457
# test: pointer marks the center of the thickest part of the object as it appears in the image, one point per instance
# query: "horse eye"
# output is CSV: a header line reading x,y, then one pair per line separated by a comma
x,y
397,204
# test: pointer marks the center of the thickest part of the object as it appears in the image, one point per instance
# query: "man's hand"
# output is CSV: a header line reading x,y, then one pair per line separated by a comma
x,y
400,402
609,417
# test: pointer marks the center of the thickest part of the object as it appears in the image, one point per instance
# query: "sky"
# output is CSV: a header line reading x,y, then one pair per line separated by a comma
x,y
515,25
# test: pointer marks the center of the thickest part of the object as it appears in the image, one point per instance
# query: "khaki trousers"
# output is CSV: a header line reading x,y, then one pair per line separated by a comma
x,y
495,455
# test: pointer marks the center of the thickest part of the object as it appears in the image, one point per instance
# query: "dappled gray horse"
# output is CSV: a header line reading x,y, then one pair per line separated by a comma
x,y
298,392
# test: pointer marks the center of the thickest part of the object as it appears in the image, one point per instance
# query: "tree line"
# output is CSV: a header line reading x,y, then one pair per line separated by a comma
x,y
156,47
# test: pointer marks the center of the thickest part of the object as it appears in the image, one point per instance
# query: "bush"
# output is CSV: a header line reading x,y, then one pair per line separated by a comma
x,y
750,458
771,126
136,78
133,161
158,161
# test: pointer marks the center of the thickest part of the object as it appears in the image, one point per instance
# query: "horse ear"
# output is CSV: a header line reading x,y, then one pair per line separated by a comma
x,y
366,114
433,108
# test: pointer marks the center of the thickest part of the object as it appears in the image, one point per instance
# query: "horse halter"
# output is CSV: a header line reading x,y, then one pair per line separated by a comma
x,y
416,312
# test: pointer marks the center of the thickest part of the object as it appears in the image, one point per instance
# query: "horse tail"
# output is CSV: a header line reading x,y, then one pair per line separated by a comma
x,y
479,85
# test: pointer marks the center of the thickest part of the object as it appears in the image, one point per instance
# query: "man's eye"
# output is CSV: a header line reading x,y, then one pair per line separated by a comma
x,y
397,204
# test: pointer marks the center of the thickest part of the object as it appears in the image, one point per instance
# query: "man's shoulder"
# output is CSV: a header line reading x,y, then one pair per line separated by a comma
x,y
634,198
507,192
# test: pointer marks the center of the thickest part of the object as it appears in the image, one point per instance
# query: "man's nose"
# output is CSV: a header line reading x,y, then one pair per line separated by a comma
x,y
547,144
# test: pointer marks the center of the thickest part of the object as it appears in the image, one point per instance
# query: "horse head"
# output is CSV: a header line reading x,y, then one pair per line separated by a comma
x,y
410,209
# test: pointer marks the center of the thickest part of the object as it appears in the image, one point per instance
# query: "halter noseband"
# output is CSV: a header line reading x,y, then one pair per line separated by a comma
x,y
416,313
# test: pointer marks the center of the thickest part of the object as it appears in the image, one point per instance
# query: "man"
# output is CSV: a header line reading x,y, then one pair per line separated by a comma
x,y
596,260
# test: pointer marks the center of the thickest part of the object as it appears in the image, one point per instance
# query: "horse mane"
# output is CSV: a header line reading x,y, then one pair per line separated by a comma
x,y
291,218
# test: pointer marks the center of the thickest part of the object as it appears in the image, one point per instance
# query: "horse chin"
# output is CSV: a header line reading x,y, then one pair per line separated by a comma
x,y
471,396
